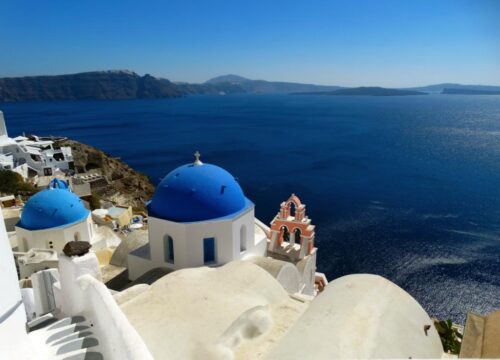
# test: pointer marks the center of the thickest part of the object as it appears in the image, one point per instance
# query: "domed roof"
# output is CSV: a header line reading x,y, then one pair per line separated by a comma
x,y
197,192
56,183
52,208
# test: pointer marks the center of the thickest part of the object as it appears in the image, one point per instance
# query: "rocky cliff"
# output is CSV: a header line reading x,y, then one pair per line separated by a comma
x,y
125,185
96,85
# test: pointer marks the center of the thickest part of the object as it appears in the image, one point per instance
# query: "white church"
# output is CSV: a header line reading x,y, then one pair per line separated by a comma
x,y
198,216
49,220
52,217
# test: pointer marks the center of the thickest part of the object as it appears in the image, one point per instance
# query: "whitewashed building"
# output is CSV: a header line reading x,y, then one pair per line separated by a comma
x,y
51,218
198,216
33,155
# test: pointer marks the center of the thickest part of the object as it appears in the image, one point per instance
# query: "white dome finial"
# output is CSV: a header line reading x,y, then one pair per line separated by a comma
x,y
197,160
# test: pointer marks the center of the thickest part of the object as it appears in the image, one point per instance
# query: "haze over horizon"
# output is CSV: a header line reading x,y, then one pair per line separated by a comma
x,y
359,43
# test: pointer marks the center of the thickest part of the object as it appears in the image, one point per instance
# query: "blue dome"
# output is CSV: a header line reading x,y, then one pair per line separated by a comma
x,y
197,193
56,183
52,208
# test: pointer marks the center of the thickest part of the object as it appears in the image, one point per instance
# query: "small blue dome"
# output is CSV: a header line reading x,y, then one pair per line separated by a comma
x,y
52,208
56,183
196,193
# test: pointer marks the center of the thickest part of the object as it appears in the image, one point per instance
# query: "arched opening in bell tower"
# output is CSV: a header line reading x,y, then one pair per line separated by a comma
x,y
284,233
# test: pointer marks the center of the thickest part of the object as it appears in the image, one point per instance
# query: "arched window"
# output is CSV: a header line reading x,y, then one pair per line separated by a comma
x,y
292,209
285,234
77,236
243,238
297,235
168,249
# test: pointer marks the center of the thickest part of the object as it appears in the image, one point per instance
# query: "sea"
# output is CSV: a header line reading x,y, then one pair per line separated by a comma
x,y
404,187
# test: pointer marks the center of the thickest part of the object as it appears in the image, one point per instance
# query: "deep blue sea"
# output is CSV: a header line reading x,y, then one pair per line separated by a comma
x,y
405,187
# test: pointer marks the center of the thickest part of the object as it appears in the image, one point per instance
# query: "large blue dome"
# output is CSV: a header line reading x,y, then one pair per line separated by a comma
x,y
197,192
52,208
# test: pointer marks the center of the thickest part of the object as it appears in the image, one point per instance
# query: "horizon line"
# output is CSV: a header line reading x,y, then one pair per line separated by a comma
x,y
248,78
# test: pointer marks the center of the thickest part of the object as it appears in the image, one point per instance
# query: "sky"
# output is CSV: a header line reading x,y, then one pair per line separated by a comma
x,y
394,43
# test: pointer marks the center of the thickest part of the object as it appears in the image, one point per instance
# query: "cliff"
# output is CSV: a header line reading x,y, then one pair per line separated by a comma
x,y
97,85
126,186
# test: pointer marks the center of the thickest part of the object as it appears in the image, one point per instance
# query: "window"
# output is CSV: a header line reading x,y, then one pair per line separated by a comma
x,y
243,238
36,158
209,250
168,248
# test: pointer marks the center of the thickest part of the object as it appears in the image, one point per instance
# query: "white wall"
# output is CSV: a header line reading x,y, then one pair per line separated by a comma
x,y
14,342
70,269
138,266
39,239
307,271
120,339
188,241
82,292
361,316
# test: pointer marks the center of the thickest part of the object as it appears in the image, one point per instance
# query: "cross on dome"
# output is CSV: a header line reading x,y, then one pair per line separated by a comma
x,y
197,160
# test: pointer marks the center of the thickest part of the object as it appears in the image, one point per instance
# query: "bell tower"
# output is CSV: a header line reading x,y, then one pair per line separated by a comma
x,y
292,234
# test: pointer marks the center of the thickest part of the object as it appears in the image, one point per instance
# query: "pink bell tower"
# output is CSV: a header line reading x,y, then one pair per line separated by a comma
x,y
292,234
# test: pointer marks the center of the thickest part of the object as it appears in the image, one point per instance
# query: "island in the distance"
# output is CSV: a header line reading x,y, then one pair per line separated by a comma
x,y
464,91
126,84
366,91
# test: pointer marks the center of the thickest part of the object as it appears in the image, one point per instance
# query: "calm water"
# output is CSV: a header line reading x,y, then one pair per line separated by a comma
x,y
404,187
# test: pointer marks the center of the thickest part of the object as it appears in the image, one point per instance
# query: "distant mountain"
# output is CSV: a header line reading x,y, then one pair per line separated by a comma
x,y
465,91
230,78
222,88
116,84
438,88
268,87
366,91
124,84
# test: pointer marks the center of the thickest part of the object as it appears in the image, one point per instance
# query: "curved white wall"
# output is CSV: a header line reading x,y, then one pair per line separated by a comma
x,y
361,316
14,342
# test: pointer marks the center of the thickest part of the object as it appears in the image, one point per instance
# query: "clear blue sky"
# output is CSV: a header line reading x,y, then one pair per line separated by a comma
x,y
387,43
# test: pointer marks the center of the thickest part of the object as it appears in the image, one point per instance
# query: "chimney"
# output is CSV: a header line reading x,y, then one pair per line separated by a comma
x,y
3,128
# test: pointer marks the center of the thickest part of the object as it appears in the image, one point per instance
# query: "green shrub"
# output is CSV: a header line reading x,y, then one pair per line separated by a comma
x,y
13,183
450,337
95,201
